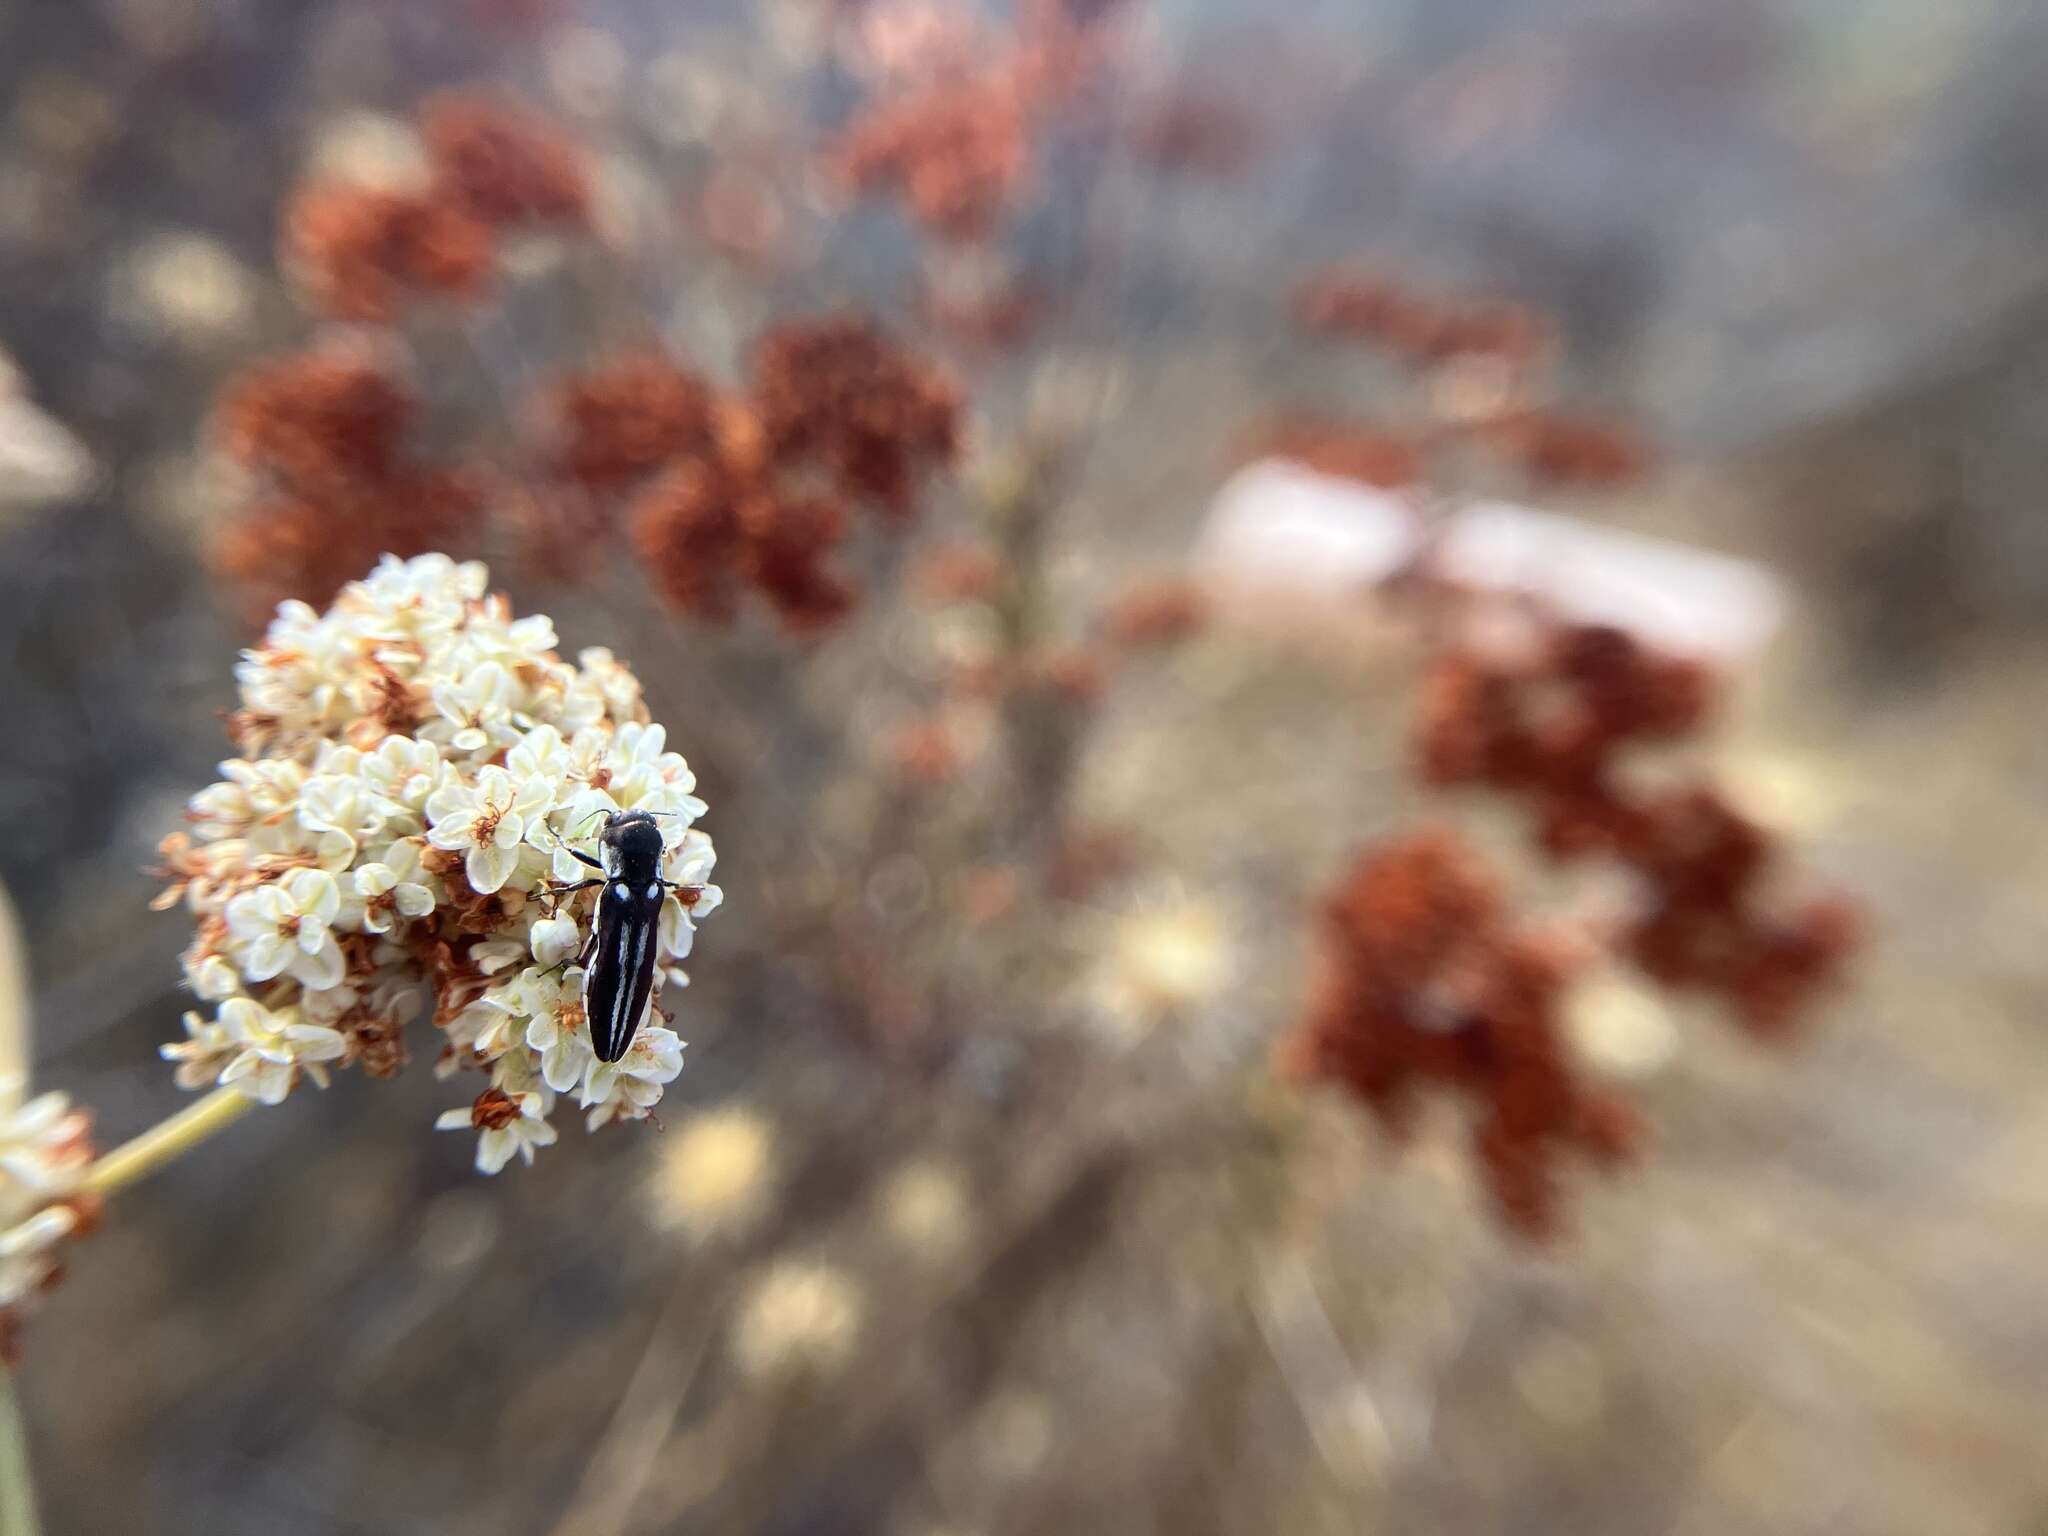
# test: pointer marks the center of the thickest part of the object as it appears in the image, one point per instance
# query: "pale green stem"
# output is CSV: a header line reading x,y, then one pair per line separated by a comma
x,y
160,1144
17,1492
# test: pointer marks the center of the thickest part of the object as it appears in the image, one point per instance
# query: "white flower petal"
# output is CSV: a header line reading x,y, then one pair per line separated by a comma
x,y
489,868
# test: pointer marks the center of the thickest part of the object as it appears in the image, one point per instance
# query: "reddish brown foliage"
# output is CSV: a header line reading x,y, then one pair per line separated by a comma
x,y
992,321
741,214
358,252
308,546
560,532
1161,611
791,544
1563,450
1201,134
313,417
923,751
1547,721
957,573
957,154
1427,982
327,429
1351,450
620,419
838,396
1067,671
1365,306
715,526
1551,727
498,162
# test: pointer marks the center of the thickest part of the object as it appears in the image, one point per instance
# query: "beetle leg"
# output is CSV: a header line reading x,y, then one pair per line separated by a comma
x,y
555,893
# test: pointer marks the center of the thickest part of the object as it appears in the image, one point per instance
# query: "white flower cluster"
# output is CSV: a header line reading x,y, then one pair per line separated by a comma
x,y
416,766
43,1150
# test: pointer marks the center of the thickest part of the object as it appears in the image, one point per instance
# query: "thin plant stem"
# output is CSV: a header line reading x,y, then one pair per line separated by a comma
x,y
136,1160
17,1491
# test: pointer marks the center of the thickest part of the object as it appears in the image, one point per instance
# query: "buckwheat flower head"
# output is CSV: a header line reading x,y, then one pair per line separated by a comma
x,y
43,1150
414,765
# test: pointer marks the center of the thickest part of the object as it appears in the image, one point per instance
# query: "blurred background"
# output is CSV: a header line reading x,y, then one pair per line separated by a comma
x,y
945,1236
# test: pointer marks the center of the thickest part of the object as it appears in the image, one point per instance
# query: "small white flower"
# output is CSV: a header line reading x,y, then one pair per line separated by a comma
x,y
486,823
478,706
341,802
555,939
201,1055
42,1148
511,1125
628,1088
391,889
285,927
556,1026
501,1025
26,1264
211,978
495,955
403,771
271,1049
541,753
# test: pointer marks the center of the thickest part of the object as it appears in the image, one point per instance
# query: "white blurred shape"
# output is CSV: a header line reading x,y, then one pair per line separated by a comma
x,y
1278,524
40,461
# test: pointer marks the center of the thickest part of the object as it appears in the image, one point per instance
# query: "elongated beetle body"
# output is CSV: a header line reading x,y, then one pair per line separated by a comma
x,y
625,941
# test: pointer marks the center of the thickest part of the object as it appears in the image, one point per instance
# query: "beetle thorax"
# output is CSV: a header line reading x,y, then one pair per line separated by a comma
x,y
634,839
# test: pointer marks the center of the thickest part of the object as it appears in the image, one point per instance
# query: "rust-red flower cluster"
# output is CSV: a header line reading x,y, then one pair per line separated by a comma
x,y
837,397
1357,305
1510,417
359,253
503,164
754,491
954,144
1427,981
323,433
1351,450
1551,725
